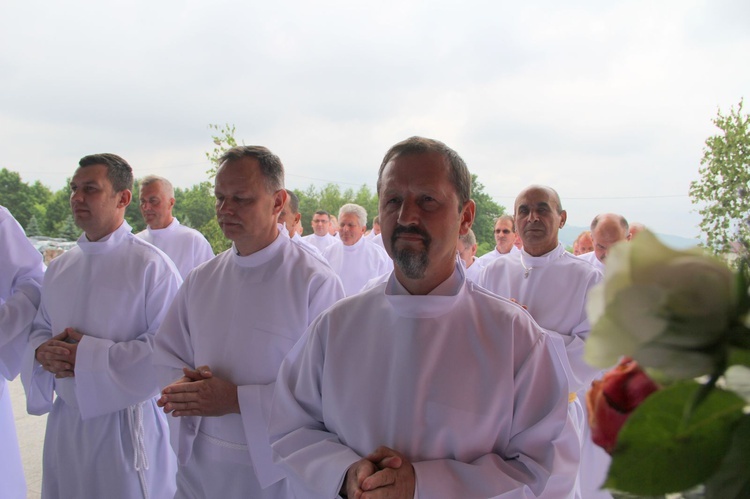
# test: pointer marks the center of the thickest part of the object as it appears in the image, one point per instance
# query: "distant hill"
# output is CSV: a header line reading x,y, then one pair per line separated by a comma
x,y
569,233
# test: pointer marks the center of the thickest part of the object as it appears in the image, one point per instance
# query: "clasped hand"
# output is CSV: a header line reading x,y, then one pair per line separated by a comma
x,y
58,354
199,393
384,474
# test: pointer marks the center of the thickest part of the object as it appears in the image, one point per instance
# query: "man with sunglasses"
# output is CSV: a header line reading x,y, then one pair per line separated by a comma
x,y
505,235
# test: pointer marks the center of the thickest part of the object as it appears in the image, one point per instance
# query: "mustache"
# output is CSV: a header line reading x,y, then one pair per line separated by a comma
x,y
412,229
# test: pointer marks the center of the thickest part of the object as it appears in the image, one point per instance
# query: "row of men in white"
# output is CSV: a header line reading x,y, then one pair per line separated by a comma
x,y
424,385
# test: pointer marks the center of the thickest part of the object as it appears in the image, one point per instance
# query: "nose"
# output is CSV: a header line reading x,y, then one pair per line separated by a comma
x,y
408,213
222,206
76,196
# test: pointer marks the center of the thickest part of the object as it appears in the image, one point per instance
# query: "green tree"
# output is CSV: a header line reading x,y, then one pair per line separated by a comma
x,y
223,140
69,231
57,210
722,191
196,204
331,198
33,228
484,221
23,201
133,211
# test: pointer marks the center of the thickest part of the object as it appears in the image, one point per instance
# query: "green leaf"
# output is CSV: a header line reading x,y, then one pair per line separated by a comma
x,y
732,479
658,452
738,357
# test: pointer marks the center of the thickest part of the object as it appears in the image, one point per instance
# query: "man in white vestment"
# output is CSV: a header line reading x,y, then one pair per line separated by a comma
x,y
583,243
232,323
505,235
425,384
607,229
321,238
467,250
290,217
553,285
21,274
375,228
91,345
355,259
187,247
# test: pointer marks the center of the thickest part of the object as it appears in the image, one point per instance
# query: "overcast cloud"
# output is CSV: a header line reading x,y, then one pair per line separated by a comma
x,y
608,102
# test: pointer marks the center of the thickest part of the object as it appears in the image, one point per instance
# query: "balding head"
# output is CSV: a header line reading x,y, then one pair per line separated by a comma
x,y
539,217
606,230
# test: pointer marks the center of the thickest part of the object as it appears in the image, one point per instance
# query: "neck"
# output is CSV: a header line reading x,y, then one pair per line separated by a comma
x,y
246,248
539,250
426,284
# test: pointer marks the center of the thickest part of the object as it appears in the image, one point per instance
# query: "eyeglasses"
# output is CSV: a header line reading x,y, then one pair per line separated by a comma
x,y
504,231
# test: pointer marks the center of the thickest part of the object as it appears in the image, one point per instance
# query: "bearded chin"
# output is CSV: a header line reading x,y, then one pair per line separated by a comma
x,y
412,263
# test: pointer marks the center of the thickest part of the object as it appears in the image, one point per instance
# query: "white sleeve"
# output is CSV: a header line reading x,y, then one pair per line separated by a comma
x,y
111,376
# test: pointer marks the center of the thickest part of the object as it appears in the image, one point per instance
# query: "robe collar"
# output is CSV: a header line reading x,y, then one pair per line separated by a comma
x,y
440,301
169,228
359,245
105,244
263,256
541,261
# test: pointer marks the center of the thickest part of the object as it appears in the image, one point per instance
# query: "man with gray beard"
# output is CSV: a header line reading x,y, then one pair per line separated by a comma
x,y
433,386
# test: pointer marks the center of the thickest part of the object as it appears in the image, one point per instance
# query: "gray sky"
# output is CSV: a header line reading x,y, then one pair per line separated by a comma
x,y
608,102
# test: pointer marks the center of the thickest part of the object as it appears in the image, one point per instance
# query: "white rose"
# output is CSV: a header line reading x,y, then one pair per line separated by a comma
x,y
667,309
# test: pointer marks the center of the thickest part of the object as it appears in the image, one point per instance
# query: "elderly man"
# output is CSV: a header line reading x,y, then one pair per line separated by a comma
x,y
229,328
553,285
321,238
21,274
187,247
607,230
91,345
505,236
425,384
467,250
355,259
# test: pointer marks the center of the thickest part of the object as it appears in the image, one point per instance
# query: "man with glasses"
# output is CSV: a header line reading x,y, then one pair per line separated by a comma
x,y
321,238
505,235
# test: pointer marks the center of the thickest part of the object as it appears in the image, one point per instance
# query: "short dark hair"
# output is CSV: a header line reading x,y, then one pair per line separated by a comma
x,y
270,164
459,172
323,212
293,201
119,172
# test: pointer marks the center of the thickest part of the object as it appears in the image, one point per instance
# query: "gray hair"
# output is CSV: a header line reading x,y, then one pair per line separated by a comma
x,y
620,219
270,164
468,239
459,172
152,179
356,210
509,218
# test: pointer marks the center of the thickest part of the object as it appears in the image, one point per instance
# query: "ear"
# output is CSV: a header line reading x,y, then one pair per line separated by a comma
x,y
563,218
123,198
467,217
297,218
171,203
279,198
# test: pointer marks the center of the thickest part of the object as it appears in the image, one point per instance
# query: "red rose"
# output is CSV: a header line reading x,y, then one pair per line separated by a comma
x,y
611,400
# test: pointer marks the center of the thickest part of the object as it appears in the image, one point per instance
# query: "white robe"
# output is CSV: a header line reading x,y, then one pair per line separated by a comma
x,y
240,315
358,263
378,239
320,242
187,247
105,434
493,255
462,382
593,260
474,270
21,274
555,294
